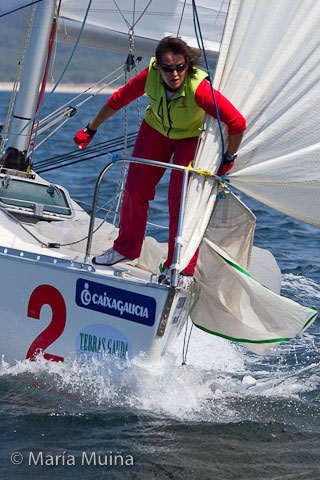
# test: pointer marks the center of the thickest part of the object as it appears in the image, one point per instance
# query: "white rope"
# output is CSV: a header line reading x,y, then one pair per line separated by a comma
x,y
50,134
157,225
142,13
124,18
124,167
134,23
84,92
134,12
64,110
57,116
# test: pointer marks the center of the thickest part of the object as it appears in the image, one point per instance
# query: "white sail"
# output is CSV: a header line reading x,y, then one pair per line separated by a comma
x,y
109,22
239,296
234,306
269,68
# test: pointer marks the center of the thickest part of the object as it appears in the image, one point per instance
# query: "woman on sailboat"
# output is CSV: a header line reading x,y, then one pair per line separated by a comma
x,y
179,96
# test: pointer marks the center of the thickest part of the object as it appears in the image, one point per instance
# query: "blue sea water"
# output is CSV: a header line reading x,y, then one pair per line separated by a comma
x,y
227,414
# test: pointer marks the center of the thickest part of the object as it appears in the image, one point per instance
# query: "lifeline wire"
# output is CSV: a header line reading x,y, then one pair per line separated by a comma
x,y
77,156
47,245
94,231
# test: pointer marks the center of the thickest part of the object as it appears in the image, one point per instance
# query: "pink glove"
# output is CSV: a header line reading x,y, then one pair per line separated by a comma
x,y
84,137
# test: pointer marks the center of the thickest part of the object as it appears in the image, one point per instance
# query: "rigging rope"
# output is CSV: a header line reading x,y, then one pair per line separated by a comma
x,y
71,110
59,79
124,18
84,92
74,157
138,101
130,64
142,13
20,8
124,166
131,27
185,347
197,28
184,6
67,106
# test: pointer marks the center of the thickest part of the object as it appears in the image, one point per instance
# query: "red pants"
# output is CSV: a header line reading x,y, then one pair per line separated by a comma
x,y
140,188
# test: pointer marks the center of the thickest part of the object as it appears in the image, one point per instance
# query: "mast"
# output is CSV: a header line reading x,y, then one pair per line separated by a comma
x,y
31,76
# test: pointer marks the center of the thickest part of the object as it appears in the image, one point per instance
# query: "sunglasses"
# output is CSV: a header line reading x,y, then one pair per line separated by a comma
x,y
180,68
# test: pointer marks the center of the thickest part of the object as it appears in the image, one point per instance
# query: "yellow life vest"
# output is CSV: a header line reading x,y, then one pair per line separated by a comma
x,y
180,117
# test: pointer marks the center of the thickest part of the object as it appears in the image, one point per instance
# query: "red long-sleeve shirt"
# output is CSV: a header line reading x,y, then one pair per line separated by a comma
x,y
203,97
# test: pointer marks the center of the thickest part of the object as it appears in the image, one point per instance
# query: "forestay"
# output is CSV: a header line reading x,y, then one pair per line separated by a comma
x,y
109,22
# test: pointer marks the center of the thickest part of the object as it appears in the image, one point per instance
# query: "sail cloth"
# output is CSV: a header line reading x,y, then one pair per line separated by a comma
x,y
269,68
110,21
232,304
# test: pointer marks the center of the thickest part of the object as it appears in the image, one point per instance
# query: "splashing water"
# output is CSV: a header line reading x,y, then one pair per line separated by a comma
x,y
218,376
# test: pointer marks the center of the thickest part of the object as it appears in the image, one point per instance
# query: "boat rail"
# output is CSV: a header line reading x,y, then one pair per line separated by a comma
x,y
143,161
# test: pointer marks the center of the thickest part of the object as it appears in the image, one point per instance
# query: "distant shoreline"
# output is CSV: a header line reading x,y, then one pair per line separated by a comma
x,y
63,88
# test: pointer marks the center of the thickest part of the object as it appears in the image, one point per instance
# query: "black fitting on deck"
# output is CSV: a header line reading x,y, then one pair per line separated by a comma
x,y
15,159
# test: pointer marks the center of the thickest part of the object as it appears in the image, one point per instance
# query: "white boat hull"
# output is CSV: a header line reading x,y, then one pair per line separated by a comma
x,y
64,310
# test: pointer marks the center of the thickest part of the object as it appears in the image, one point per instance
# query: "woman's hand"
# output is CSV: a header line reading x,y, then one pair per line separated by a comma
x,y
84,137
224,168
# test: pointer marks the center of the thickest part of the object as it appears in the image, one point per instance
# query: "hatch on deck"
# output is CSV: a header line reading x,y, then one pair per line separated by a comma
x,y
29,197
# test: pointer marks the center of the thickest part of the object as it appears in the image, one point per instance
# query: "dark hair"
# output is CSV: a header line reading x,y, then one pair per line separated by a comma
x,y
178,46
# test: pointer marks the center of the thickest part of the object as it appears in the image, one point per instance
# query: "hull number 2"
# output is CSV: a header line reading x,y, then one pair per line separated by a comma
x,y
47,295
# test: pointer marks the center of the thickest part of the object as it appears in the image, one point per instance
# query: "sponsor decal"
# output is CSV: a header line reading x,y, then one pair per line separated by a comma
x,y
116,302
100,340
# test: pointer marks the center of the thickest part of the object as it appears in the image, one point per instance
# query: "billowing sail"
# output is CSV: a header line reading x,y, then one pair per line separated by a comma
x,y
269,67
109,22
